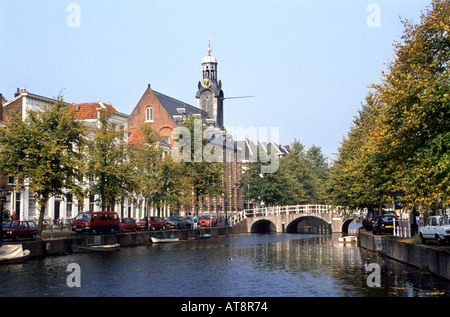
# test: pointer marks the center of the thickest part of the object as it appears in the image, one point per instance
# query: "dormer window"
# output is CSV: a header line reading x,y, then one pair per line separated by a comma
x,y
149,114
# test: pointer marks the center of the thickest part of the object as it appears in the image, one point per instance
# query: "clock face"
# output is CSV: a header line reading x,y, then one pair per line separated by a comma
x,y
206,83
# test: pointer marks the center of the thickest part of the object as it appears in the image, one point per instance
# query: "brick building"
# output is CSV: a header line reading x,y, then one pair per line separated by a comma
x,y
165,113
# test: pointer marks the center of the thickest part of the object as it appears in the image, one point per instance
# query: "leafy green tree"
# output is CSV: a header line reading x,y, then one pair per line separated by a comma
x,y
300,178
399,144
109,171
45,151
415,112
161,180
206,176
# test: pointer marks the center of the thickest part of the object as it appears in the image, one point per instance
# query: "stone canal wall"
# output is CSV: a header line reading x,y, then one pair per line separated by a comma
x,y
435,259
62,245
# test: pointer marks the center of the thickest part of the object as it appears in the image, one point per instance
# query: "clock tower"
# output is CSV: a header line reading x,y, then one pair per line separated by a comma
x,y
210,95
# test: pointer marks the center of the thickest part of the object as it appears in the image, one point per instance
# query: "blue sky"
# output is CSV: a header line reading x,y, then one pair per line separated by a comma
x,y
308,63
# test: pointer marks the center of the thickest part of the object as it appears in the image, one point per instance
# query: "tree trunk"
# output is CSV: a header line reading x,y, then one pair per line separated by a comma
x,y
41,218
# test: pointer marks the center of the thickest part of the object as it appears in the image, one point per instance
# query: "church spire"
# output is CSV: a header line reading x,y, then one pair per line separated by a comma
x,y
209,45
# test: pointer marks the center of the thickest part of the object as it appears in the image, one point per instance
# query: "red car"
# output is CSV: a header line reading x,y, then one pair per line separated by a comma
x,y
97,222
207,221
19,229
127,224
154,223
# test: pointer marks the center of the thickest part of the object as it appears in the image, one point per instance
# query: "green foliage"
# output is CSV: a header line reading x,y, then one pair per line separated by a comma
x,y
45,150
109,170
160,179
300,178
400,141
206,178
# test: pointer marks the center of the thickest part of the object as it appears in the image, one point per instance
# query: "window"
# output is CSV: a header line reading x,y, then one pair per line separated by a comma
x,y
91,203
149,114
69,205
31,205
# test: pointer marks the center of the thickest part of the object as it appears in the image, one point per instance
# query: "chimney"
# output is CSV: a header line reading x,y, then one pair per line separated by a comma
x,y
19,91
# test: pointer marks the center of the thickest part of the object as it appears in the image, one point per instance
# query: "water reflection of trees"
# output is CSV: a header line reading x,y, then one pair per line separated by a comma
x,y
346,264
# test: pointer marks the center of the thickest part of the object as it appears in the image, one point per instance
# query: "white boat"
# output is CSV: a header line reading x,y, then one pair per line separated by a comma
x,y
13,253
348,239
203,236
164,239
96,248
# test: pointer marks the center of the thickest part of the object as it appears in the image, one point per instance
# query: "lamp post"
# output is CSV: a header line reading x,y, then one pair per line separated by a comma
x,y
262,189
226,210
3,193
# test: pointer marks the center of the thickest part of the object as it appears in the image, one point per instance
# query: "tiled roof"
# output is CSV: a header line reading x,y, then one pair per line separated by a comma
x,y
171,105
89,110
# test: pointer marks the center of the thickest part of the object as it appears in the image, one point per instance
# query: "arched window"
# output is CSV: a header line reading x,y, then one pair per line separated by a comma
x,y
149,114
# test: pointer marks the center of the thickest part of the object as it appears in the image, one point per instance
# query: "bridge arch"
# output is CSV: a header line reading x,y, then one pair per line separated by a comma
x,y
263,226
308,224
345,225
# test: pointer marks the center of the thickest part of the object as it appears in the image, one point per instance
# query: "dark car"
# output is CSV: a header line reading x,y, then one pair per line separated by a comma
x,y
127,224
19,229
176,222
383,223
189,221
368,219
154,223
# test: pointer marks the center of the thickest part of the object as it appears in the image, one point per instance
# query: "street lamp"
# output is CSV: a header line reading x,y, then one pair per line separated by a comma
x,y
3,193
226,210
262,189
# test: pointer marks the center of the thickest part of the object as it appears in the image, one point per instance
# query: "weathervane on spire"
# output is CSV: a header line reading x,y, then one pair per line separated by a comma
x,y
209,45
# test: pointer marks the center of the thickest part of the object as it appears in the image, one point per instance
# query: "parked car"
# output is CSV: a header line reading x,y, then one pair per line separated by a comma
x,y
176,222
19,229
97,222
436,228
368,219
207,221
127,224
154,223
383,223
189,222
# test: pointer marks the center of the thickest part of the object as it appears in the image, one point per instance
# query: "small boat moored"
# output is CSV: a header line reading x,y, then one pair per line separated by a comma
x,y
163,239
13,253
95,248
348,239
203,236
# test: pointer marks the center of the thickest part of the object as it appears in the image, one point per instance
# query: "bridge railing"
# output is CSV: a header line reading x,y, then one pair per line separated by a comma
x,y
282,210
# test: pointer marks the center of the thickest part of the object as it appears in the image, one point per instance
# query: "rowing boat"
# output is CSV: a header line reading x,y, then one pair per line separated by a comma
x,y
164,239
13,253
96,248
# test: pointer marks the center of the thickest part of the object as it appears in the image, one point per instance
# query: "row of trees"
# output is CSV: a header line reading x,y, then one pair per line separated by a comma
x,y
398,147
301,178
54,154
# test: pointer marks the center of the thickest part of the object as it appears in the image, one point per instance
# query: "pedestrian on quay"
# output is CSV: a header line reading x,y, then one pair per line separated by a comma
x,y
195,221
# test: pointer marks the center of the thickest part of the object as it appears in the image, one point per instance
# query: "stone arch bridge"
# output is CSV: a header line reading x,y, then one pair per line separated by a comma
x,y
286,219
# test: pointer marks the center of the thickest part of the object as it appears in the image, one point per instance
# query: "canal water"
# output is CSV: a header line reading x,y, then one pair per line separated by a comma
x,y
257,265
